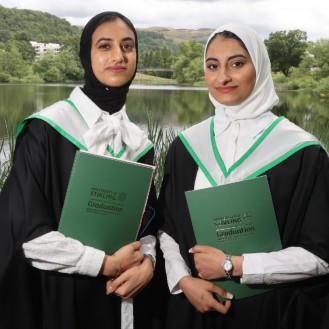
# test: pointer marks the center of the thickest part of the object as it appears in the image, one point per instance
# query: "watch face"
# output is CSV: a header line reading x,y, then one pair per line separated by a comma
x,y
227,266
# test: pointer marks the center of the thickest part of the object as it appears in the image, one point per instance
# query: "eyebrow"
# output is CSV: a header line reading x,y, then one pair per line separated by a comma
x,y
231,57
110,39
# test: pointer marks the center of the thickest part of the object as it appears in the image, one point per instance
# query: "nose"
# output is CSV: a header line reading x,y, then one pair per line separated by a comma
x,y
117,55
223,76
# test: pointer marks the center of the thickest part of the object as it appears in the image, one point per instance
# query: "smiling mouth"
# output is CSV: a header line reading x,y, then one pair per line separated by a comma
x,y
225,90
116,69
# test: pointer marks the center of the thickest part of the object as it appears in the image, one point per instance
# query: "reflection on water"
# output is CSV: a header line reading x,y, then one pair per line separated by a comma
x,y
173,106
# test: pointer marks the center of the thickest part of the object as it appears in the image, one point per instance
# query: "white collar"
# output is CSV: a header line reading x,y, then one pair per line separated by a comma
x,y
90,112
252,127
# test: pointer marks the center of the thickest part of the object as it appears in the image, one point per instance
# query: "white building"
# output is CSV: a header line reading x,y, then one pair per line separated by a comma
x,y
42,48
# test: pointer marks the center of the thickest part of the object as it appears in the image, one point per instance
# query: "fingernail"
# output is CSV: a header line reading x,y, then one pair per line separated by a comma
x,y
109,291
229,295
190,250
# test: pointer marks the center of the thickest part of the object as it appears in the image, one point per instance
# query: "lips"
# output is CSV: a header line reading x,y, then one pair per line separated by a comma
x,y
116,69
225,90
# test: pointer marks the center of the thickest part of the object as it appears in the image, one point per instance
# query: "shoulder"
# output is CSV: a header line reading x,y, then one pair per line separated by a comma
x,y
306,165
198,128
177,148
148,157
179,158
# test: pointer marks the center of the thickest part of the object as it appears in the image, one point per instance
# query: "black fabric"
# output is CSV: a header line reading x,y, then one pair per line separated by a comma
x,y
300,191
110,99
30,203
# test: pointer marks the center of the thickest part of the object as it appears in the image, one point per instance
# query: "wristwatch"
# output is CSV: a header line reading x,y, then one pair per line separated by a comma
x,y
228,266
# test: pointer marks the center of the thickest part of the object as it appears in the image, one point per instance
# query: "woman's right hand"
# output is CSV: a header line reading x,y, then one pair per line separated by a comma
x,y
200,293
123,259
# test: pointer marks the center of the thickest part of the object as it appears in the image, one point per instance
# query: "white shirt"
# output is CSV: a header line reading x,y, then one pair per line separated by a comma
x,y
233,139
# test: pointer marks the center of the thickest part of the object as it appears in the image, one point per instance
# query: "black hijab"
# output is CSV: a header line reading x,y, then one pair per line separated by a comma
x,y
110,99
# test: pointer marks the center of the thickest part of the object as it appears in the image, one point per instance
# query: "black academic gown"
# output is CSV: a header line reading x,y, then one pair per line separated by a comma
x,y
300,191
30,205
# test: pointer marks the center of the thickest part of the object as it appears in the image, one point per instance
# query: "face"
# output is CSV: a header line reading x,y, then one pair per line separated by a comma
x,y
230,74
113,53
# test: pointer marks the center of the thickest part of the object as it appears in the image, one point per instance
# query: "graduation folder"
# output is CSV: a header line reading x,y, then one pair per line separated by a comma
x,y
236,218
105,201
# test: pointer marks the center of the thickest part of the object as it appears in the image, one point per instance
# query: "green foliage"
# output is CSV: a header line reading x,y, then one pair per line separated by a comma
x,y
279,78
42,27
24,47
12,63
322,88
188,66
316,59
4,77
69,65
285,49
153,41
304,63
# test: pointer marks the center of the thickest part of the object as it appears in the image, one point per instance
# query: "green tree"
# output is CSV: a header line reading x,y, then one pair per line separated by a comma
x,y
286,49
42,66
166,57
69,65
72,44
24,47
54,74
317,55
157,60
12,64
188,65
22,36
5,35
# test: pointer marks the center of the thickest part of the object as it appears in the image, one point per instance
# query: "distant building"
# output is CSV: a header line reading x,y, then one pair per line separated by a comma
x,y
42,48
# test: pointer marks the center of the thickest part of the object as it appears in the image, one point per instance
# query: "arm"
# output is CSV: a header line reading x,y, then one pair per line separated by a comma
x,y
176,268
199,292
55,252
290,264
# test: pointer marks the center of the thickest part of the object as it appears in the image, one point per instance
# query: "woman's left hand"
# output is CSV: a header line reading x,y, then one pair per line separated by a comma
x,y
132,281
208,261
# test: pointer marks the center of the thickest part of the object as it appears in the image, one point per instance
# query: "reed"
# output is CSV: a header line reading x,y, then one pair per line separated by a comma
x,y
7,146
161,137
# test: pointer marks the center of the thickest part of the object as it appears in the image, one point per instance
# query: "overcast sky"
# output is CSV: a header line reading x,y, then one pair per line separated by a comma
x,y
265,16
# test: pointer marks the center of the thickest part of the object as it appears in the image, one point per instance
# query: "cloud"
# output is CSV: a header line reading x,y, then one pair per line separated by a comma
x,y
263,15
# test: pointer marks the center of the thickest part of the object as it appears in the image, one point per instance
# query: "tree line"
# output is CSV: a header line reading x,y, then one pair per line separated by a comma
x,y
296,62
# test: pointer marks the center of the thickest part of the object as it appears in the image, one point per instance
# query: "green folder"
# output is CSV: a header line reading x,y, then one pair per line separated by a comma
x,y
105,201
236,218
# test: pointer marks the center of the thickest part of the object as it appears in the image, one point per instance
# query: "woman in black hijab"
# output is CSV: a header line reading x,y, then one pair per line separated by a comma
x,y
48,280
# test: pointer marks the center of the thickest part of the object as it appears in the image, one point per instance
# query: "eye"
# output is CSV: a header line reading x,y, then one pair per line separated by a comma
x,y
237,64
128,47
104,46
212,66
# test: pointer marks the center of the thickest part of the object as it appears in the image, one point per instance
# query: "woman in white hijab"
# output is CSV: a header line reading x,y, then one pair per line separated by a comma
x,y
244,139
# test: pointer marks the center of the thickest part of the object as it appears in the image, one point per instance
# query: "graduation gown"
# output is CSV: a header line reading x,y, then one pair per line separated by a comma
x,y
31,202
300,192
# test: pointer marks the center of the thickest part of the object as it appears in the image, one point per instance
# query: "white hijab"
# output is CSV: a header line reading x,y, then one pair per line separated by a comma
x,y
263,97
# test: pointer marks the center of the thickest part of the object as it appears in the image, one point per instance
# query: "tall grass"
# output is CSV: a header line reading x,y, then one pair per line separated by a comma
x,y
161,138
7,151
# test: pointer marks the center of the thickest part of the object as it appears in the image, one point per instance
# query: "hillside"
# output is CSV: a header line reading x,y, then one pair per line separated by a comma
x,y
44,27
181,35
